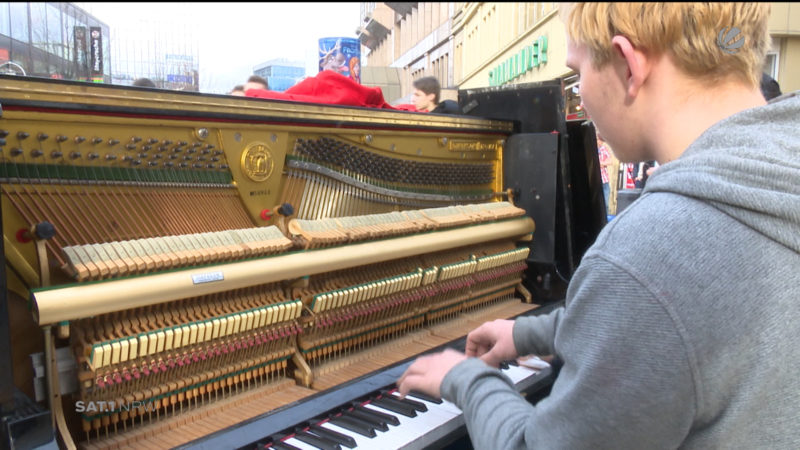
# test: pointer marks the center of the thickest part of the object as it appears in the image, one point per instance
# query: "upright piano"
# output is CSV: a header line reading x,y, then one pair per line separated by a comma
x,y
196,270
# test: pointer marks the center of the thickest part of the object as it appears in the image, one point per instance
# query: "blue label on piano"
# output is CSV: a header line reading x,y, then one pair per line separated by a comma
x,y
207,277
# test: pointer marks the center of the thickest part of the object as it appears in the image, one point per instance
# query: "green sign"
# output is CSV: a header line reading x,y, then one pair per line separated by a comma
x,y
529,57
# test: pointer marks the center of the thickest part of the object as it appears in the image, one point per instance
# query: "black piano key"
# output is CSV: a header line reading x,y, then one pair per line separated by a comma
x,y
503,365
317,441
426,397
354,426
513,362
366,417
419,406
342,439
388,418
399,408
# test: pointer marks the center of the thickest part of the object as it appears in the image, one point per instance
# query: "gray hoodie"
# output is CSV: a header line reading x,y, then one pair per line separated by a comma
x,y
681,327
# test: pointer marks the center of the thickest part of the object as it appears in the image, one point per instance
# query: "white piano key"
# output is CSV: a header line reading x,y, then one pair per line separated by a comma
x,y
299,444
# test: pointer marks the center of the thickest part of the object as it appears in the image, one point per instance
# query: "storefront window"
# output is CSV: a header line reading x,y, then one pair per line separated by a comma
x,y
5,18
55,43
19,21
572,99
39,21
68,38
771,65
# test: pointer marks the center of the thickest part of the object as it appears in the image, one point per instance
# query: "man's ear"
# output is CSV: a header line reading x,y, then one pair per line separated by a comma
x,y
637,62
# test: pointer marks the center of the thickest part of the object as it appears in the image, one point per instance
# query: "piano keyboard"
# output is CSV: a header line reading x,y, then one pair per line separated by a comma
x,y
419,421
380,421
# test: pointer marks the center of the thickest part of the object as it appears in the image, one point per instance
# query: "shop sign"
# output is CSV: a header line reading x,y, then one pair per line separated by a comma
x,y
528,58
96,48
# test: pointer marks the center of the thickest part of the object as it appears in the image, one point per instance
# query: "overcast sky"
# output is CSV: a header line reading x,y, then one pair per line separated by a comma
x,y
233,38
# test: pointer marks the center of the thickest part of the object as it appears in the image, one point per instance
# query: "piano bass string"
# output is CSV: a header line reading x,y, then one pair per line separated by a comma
x,y
206,259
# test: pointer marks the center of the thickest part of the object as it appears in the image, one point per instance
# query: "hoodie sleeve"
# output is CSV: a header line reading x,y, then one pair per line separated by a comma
x,y
626,380
534,335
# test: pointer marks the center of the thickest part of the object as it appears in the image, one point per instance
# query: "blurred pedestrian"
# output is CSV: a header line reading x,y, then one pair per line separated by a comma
x,y
237,90
426,97
769,87
143,82
256,82
605,162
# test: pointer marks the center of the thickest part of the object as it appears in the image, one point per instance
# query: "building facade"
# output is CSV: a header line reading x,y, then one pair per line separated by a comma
x,y
479,44
281,74
415,39
157,48
783,61
65,41
53,40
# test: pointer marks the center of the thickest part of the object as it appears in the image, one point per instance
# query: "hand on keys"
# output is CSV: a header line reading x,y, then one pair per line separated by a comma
x,y
427,372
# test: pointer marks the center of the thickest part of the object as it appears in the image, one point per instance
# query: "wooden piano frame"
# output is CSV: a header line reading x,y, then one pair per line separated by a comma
x,y
548,169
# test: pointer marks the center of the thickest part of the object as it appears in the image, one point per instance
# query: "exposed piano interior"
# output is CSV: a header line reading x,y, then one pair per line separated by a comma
x,y
441,426
177,263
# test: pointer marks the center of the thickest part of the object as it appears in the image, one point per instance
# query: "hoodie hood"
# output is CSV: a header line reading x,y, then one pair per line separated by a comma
x,y
748,166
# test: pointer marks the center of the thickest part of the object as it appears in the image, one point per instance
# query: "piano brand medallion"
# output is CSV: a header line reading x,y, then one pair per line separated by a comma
x,y
257,162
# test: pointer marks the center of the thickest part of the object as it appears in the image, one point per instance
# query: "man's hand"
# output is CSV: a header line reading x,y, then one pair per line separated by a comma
x,y
493,342
427,372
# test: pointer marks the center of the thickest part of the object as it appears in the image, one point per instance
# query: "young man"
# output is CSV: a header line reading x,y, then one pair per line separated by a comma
x,y
256,82
681,327
426,97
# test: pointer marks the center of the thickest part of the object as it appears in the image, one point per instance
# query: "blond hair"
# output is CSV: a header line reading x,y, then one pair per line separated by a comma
x,y
700,38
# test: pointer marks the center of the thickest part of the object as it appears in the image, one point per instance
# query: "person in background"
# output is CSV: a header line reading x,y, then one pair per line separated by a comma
x,y
645,169
256,82
681,325
426,97
769,87
144,82
605,162
237,90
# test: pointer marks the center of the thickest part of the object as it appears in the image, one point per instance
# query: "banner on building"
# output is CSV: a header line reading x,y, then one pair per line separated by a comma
x,y
79,44
342,55
97,51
